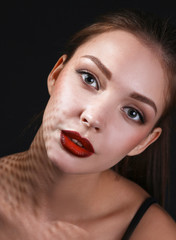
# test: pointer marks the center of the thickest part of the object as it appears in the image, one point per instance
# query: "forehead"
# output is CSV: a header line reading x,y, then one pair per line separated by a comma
x,y
120,46
134,65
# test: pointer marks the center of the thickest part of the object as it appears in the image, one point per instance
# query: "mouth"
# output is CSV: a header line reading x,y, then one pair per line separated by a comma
x,y
75,144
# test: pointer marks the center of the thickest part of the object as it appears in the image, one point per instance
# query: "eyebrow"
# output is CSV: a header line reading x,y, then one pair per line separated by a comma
x,y
108,74
100,65
144,99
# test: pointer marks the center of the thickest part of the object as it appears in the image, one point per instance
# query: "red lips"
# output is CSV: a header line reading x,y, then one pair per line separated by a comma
x,y
75,144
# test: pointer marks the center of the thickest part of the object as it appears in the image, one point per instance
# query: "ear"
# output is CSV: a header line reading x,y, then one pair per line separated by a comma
x,y
152,137
52,77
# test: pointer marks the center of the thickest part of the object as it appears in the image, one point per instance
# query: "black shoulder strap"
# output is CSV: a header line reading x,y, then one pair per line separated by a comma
x,y
139,214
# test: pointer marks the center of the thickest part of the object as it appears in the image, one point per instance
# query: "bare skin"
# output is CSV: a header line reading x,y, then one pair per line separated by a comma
x,y
47,193
26,180
36,212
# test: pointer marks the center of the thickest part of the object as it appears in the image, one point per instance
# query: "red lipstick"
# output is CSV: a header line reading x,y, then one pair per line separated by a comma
x,y
75,144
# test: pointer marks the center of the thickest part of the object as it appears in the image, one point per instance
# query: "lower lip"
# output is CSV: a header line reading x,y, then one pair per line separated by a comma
x,y
73,148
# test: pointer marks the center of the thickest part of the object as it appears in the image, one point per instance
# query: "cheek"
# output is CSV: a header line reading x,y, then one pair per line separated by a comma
x,y
59,104
122,140
62,108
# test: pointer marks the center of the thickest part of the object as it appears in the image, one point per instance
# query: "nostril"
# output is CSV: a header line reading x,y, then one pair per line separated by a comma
x,y
87,121
84,120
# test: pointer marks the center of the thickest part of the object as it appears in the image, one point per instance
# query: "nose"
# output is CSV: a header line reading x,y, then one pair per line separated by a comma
x,y
91,118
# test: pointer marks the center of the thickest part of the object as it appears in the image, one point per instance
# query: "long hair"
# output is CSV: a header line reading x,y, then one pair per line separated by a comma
x,y
149,169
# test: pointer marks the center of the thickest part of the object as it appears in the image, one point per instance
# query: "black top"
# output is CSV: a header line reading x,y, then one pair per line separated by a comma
x,y
139,214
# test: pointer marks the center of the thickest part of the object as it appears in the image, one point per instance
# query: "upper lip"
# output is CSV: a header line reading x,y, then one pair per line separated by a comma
x,y
84,141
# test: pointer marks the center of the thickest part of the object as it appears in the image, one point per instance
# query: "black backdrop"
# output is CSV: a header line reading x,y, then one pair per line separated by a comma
x,y
32,39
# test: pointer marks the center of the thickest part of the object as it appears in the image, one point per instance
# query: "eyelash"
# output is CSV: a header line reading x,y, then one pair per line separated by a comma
x,y
138,113
126,109
84,73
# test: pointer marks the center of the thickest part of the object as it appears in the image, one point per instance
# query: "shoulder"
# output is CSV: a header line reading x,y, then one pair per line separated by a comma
x,y
155,224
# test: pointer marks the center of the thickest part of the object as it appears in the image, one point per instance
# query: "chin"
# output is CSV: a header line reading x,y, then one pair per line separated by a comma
x,y
63,161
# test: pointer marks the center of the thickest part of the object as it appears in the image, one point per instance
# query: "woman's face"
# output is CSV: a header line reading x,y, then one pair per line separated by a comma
x,y
111,92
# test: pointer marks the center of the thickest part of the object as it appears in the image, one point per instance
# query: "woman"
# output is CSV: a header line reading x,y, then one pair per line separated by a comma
x,y
110,95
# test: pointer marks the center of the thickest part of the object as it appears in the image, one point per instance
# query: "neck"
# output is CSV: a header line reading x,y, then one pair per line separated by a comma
x,y
58,193
42,170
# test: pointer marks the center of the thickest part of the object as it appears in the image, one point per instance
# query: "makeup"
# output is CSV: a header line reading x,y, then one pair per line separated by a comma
x,y
75,144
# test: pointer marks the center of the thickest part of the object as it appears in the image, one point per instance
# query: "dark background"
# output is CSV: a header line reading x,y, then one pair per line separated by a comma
x,y
32,39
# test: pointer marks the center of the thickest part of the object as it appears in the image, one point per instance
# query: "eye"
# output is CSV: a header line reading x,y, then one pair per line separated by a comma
x,y
134,114
89,79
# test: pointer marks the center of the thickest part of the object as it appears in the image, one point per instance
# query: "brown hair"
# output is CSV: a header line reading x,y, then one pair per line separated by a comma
x,y
149,169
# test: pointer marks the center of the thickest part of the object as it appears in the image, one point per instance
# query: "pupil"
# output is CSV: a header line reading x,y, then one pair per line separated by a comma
x,y
89,79
132,113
